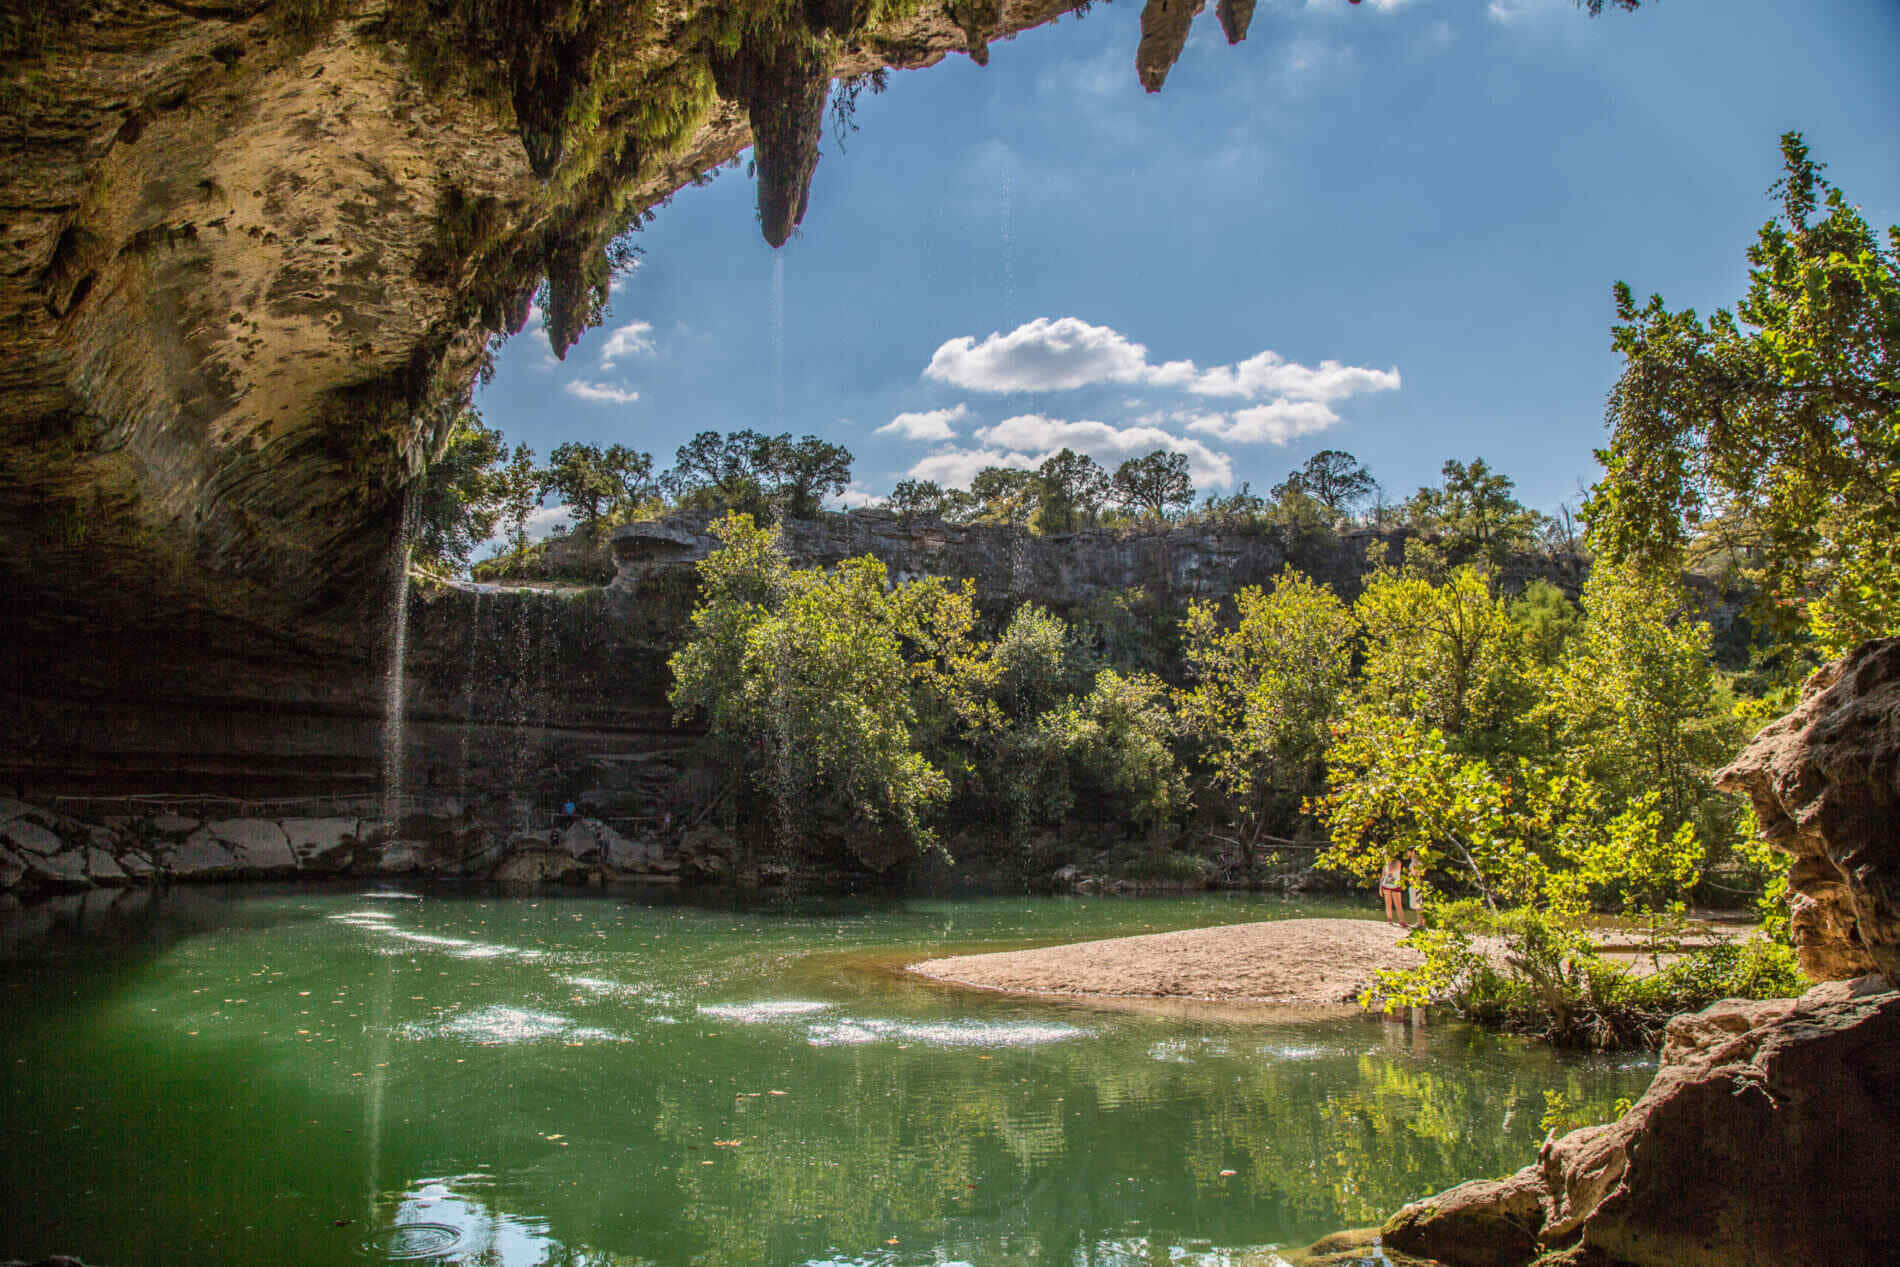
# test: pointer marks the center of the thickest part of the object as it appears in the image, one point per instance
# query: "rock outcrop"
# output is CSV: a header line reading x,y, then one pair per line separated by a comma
x,y
1769,1133
1825,784
1766,1138
1164,31
44,852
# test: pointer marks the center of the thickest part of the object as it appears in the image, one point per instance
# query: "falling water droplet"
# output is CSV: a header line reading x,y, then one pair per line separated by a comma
x,y
395,670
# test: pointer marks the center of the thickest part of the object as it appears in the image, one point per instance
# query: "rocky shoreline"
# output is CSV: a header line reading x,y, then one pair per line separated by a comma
x,y
43,852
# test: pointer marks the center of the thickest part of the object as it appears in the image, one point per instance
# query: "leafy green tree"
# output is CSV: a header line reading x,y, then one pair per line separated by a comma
x,y
1070,490
1005,495
519,486
804,473
732,472
1446,653
915,498
1335,479
458,503
1782,415
1476,511
1154,484
1118,742
596,482
1263,693
1634,698
805,681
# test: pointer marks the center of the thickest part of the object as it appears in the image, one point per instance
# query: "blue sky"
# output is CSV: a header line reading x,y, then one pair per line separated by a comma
x,y
1389,227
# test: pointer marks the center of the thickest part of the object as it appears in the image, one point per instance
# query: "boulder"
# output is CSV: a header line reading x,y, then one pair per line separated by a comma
x,y
623,854
103,868
540,865
580,840
259,845
1825,784
200,857
11,809
174,826
137,865
12,869
398,857
63,870
30,837
1767,1137
311,839
707,853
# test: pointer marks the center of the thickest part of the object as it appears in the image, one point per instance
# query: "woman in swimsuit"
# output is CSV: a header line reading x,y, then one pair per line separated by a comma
x,y
1392,889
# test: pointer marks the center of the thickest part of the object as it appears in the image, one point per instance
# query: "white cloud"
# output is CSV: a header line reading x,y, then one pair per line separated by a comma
x,y
1270,374
1509,11
633,339
955,468
1047,354
933,424
1034,433
1063,353
1275,423
854,497
601,393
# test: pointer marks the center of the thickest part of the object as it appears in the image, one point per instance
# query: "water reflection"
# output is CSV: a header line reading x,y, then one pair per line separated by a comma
x,y
674,1085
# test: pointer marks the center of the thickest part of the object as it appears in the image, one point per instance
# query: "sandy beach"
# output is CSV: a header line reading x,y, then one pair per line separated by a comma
x,y
1279,961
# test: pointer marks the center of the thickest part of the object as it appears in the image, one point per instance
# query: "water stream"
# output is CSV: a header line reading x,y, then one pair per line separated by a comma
x,y
219,1076
395,670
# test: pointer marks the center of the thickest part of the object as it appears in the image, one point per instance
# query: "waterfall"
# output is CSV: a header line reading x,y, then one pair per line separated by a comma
x,y
778,337
468,701
395,670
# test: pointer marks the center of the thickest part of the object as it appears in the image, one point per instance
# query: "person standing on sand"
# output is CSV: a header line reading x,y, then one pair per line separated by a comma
x,y
1392,889
1414,872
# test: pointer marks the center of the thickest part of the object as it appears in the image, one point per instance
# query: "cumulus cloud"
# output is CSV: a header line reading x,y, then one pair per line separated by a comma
x,y
1270,374
1047,354
601,393
633,339
854,497
1042,436
932,424
1275,423
1063,353
955,468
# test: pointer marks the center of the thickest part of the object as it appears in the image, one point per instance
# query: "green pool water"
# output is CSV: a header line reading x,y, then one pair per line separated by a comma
x,y
255,1077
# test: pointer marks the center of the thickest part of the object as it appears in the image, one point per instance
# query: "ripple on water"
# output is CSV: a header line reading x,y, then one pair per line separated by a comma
x,y
760,1013
501,1024
409,1241
855,1032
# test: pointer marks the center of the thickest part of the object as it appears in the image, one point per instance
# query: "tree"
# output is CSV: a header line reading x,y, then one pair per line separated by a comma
x,y
1263,693
1117,743
1782,416
1005,495
1154,484
519,485
1070,489
1633,696
1445,653
912,498
1476,511
594,482
802,474
1333,478
805,682
457,504
729,471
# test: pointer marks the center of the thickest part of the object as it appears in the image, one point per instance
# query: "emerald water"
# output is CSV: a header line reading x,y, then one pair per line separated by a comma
x,y
254,1077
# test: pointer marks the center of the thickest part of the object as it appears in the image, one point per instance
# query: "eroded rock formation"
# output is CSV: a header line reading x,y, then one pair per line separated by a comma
x,y
1765,1138
1769,1133
1164,31
1825,784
